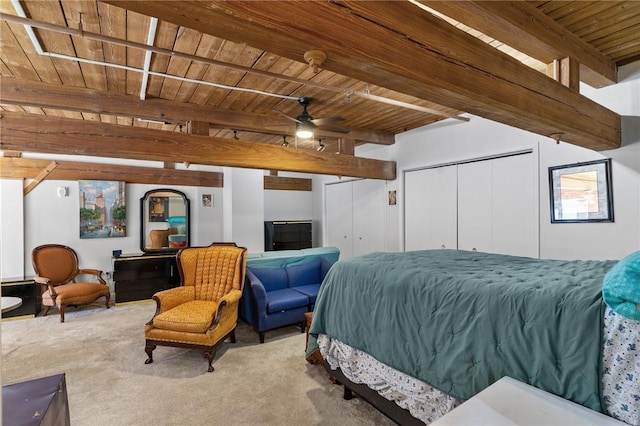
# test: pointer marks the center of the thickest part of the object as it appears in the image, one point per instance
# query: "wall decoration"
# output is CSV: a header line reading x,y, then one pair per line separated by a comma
x,y
581,192
158,209
103,210
392,198
207,200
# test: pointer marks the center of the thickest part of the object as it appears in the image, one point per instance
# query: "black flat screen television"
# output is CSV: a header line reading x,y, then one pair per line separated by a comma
x,y
287,235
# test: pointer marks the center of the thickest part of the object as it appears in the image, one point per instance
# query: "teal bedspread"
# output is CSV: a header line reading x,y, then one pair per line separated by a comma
x,y
460,320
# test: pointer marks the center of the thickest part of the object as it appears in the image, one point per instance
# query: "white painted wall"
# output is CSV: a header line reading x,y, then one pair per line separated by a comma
x,y
289,205
451,141
11,235
248,209
42,217
208,221
317,213
51,219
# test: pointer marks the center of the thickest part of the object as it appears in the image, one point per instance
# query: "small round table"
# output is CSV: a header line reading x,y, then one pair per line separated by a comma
x,y
10,303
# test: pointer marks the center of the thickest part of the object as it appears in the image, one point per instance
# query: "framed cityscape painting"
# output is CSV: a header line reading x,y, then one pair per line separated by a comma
x,y
103,210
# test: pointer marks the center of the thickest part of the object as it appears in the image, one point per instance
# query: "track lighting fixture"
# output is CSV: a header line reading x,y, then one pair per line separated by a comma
x,y
284,142
321,146
235,135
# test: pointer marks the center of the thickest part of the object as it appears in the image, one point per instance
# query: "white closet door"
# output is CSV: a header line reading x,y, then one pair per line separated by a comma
x,y
515,206
475,206
430,208
369,203
339,217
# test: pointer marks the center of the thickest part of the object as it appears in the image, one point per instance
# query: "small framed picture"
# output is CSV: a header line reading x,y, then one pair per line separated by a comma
x,y
207,200
159,209
581,192
392,198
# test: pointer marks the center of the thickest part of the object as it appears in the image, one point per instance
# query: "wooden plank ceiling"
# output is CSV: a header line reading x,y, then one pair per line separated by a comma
x,y
390,67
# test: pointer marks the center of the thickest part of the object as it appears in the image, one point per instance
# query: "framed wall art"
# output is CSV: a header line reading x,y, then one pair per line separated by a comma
x,y
158,209
103,209
392,198
581,192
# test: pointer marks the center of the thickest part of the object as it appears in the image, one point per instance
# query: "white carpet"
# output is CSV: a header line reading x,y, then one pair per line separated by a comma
x,y
102,354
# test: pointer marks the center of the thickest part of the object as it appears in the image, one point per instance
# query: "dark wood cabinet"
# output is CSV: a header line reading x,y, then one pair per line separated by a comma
x,y
28,291
291,235
138,277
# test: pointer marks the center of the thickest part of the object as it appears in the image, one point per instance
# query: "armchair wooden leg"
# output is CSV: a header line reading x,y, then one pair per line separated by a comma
x,y
61,309
44,311
232,336
261,334
209,353
108,297
149,347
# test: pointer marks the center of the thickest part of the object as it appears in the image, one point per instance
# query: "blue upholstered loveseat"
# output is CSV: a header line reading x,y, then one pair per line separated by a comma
x,y
281,286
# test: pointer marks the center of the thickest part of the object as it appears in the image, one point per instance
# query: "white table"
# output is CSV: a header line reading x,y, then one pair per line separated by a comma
x,y
509,402
10,303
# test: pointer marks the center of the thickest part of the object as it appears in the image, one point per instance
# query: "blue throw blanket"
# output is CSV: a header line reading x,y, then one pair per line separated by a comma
x,y
460,321
621,287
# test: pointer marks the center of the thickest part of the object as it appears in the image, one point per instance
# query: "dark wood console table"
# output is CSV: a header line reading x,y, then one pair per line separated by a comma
x,y
27,291
138,276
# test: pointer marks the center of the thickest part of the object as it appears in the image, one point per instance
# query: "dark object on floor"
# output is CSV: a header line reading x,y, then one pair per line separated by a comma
x,y
36,402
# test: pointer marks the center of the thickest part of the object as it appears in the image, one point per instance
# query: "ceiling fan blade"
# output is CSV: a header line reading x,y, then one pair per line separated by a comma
x,y
295,120
335,129
327,120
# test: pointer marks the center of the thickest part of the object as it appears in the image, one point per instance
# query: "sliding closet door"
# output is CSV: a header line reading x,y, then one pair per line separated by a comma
x,y
355,216
515,206
497,206
475,206
339,217
368,216
430,208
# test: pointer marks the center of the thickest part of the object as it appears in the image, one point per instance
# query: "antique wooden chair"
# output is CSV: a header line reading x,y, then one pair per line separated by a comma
x,y
56,267
203,311
160,237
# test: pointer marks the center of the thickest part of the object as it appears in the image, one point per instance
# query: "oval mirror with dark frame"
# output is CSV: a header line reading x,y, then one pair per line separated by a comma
x,y
164,221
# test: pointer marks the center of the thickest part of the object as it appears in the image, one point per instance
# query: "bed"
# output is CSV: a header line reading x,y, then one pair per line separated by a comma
x,y
429,329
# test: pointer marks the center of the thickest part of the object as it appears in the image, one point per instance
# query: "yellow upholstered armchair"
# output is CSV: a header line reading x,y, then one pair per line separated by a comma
x,y
56,267
203,311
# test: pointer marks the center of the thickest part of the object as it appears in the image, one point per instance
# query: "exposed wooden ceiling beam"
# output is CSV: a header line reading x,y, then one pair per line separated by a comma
x,y
37,133
528,30
28,168
45,95
385,43
42,175
287,183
